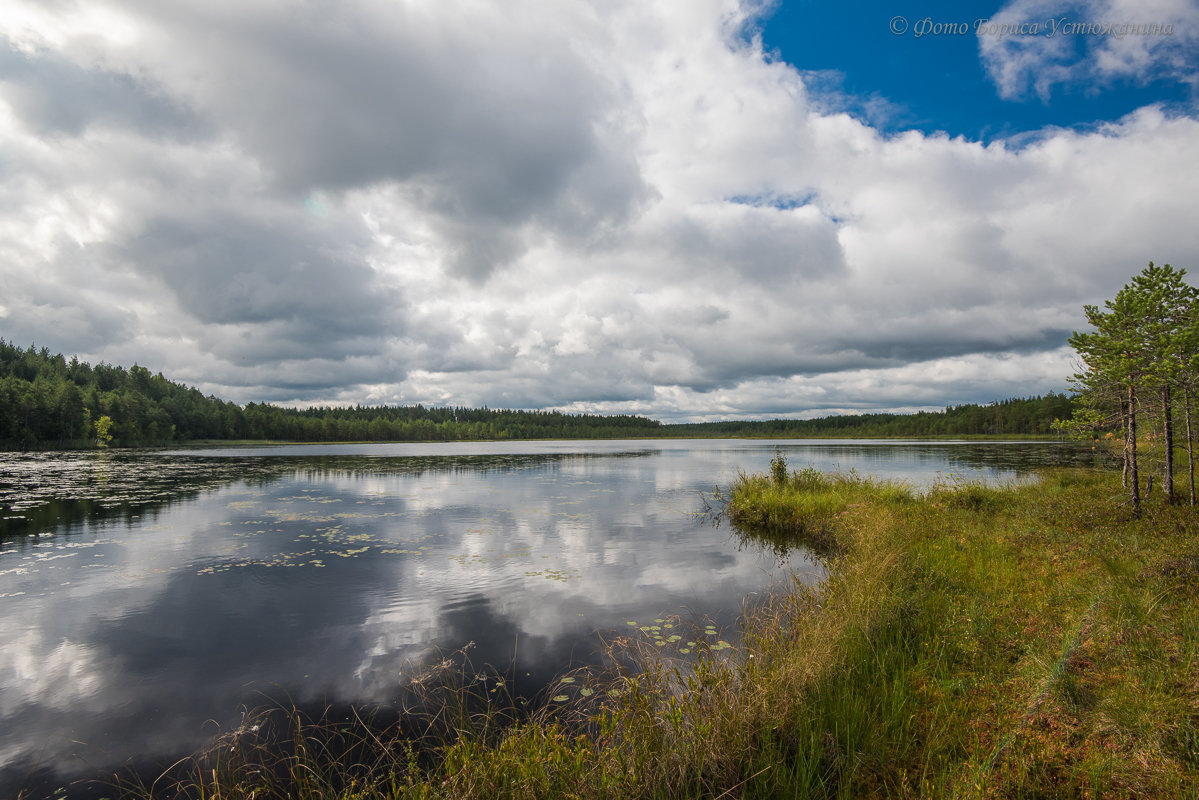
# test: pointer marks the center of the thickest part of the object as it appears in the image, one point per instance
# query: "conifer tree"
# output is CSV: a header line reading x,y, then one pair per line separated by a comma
x,y
1168,301
1143,345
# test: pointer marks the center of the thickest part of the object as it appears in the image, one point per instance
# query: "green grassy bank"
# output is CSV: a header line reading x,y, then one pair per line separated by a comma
x,y
969,642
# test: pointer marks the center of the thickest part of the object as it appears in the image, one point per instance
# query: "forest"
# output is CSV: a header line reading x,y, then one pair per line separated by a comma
x,y
48,401
1033,416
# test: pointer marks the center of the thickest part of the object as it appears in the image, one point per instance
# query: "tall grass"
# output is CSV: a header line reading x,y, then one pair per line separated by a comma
x,y
804,506
973,642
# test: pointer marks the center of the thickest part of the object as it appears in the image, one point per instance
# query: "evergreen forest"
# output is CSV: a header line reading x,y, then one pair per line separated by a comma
x,y
1028,416
48,401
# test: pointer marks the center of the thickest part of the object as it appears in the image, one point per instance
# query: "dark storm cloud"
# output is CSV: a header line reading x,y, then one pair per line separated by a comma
x,y
875,345
939,342
716,374
309,294
55,97
486,133
252,375
73,324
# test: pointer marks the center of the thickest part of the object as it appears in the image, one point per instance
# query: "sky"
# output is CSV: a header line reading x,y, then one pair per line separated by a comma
x,y
687,209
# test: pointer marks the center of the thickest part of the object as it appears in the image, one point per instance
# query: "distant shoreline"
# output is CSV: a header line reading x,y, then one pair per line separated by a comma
x,y
49,402
200,444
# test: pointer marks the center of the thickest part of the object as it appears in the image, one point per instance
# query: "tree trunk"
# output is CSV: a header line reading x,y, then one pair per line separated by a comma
x,y
1168,435
1186,405
1133,480
1124,422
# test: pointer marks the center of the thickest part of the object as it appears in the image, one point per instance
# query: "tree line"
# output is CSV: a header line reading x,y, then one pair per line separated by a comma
x,y
1140,372
49,401
1029,416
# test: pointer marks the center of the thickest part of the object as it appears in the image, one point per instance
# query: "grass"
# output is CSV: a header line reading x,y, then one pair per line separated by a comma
x,y
806,506
971,642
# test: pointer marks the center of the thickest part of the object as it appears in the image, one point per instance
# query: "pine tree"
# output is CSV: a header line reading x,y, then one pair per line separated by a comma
x,y
1168,301
1143,345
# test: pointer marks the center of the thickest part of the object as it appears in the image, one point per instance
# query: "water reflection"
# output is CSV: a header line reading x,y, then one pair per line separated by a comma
x,y
145,594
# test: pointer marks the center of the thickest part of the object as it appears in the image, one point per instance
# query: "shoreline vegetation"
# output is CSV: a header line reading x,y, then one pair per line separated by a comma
x,y
970,641
50,402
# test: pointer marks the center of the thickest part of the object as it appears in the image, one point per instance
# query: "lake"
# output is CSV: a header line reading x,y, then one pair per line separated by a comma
x,y
149,597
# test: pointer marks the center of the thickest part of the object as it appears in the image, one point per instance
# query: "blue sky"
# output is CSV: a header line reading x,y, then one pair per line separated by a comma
x,y
928,75
689,209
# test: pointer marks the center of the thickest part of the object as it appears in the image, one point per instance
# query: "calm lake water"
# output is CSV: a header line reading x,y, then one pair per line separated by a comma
x,y
146,598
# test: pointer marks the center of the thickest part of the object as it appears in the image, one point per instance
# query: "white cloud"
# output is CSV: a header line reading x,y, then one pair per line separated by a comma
x,y
608,206
1062,45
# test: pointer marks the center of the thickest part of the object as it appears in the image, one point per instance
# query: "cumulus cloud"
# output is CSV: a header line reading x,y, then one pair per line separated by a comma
x,y
592,206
